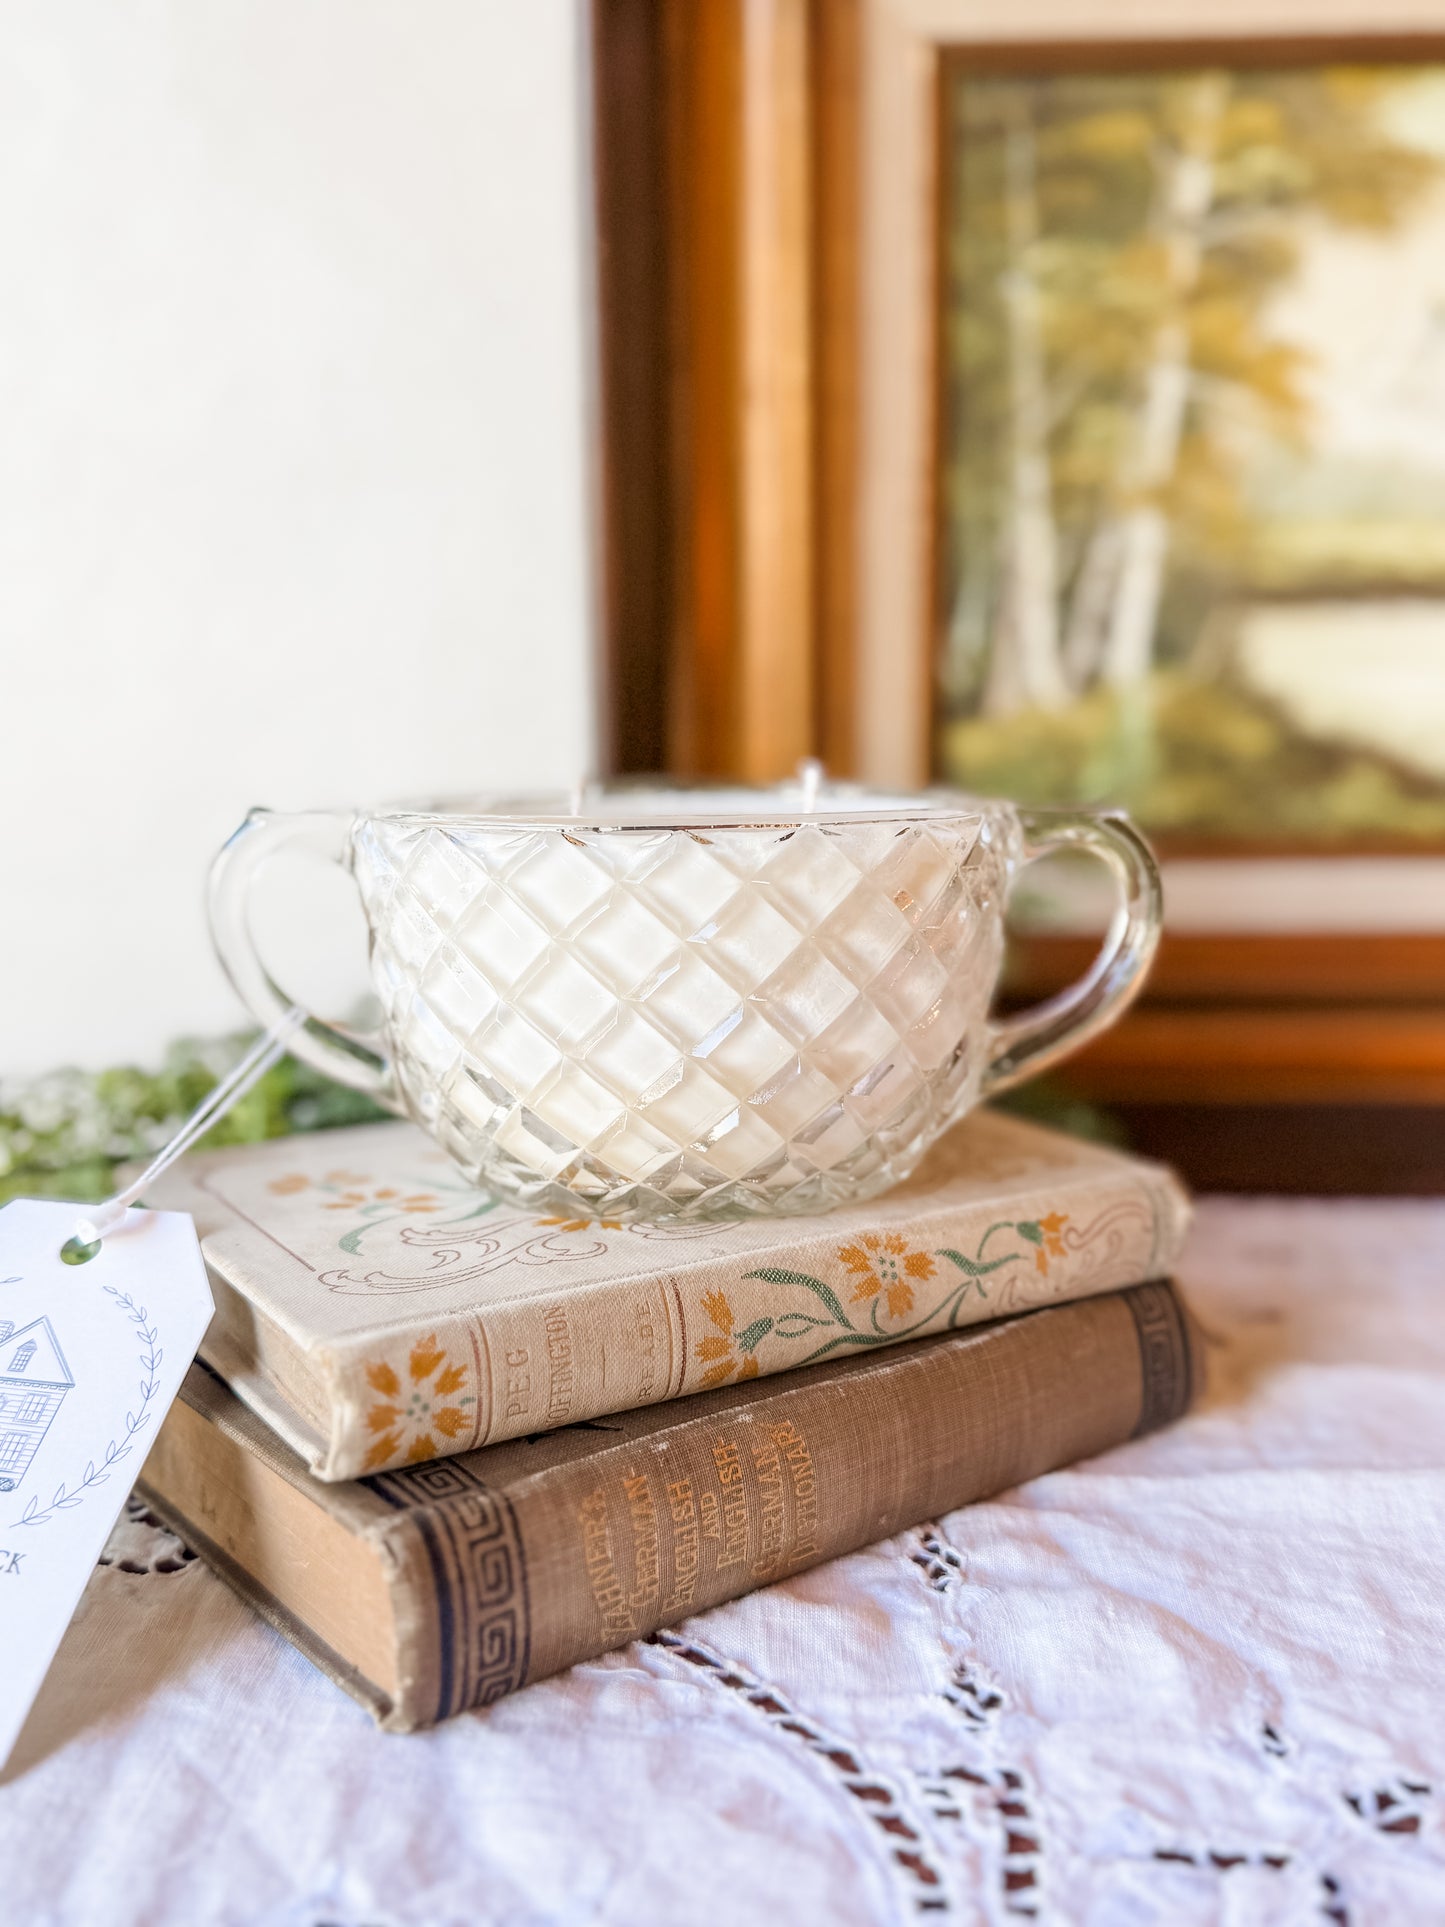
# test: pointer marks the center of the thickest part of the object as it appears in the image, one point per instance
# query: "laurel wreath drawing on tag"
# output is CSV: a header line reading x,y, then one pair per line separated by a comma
x,y
97,1473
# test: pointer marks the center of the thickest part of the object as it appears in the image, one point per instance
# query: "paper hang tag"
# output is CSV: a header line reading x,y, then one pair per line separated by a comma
x,y
91,1356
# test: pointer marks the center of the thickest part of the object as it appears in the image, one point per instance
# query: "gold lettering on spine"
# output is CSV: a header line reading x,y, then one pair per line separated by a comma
x,y
728,1464
519,1384
686,1547
765,1514
709,1512
559,1365
792,1445
768,1468
646,1332
608,1592
654,1544
642,1517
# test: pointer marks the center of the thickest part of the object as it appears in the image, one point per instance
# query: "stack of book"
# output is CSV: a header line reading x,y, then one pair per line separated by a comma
x,y
449,1448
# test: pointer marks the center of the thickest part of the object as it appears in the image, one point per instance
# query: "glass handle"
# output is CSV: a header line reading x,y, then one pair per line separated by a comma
x,y
1038,1037
355,1058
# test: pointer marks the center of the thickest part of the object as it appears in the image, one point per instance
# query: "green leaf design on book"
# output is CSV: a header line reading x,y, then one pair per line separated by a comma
x,y
825,1292
752,1335
888,1282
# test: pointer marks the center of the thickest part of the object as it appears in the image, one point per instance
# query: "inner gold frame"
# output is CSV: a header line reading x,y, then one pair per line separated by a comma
x,y
770,239
769,277
908,49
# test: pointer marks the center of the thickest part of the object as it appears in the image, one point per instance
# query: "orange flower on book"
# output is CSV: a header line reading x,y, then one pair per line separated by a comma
x,y
584,1224
420,1412
288,1186
882,1261
1046,1237
362,1196
727,1350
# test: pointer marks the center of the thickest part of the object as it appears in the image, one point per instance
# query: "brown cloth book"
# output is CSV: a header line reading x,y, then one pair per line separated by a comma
x,y
432,1590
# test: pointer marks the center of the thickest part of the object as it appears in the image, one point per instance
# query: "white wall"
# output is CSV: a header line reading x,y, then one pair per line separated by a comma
x,y
292,493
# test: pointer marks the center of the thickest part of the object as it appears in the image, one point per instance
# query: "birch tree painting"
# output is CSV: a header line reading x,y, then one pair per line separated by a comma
x,y
1127,410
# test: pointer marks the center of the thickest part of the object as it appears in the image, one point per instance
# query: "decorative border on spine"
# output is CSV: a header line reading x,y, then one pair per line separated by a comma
x,y
1164,1356
479,1570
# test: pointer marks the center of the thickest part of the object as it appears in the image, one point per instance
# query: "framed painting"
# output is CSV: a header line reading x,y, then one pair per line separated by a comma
x,y
1191,490
1051,400
1174,496
1143,395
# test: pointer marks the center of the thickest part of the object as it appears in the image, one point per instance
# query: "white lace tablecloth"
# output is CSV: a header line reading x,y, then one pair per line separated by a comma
x,y
1199,1679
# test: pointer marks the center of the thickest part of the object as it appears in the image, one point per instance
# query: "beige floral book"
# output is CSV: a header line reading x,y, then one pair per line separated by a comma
x,y
376,1312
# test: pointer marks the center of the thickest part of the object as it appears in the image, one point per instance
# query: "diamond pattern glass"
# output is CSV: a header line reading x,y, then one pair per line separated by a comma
x,y
643,1022
772,1002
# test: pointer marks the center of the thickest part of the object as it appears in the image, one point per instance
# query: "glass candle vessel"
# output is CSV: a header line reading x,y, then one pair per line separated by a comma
x,y
661,1003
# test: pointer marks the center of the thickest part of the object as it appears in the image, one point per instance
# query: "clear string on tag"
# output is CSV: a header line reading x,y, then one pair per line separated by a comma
x,y
85,1241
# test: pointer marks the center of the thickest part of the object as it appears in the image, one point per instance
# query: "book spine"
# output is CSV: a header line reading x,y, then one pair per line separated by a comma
x,y
503,1584
531,1365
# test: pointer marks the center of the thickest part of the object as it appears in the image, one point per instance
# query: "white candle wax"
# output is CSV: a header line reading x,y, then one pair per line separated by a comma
x,y
629,977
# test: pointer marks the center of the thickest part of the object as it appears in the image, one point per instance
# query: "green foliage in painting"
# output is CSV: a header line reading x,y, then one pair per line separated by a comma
x,y
1184,754
1115,243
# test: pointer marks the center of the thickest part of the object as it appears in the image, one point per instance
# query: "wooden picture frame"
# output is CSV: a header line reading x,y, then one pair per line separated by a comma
x,y
906,47
769,206
769,197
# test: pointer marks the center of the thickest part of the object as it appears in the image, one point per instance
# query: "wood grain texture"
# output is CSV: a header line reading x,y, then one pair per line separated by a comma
x,y
897,374
1282,1021
775,642
1227,21
836,293
1301,1150
632,295
1311,969
1242,1055
739,165
702,78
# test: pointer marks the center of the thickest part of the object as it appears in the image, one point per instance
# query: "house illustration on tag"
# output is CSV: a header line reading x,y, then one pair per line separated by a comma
x,y
34,1379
